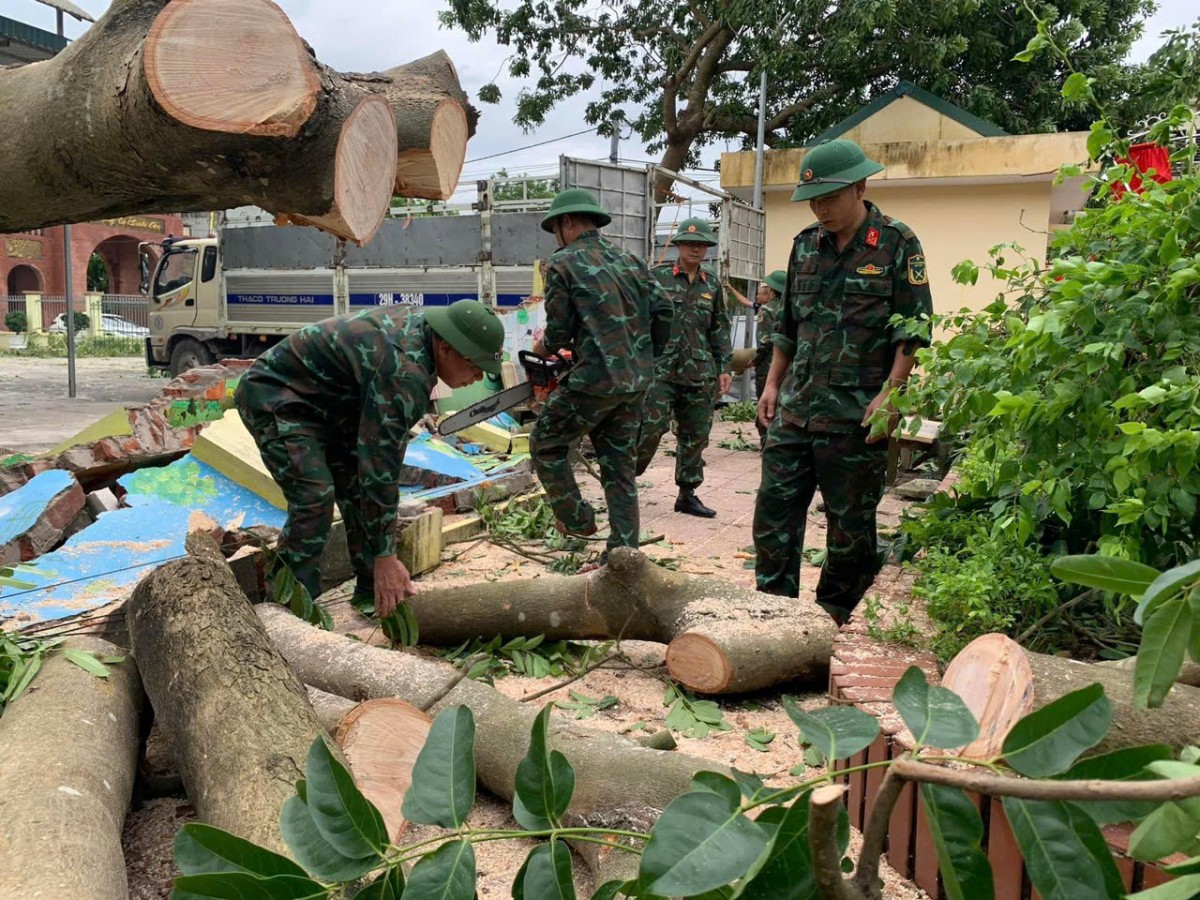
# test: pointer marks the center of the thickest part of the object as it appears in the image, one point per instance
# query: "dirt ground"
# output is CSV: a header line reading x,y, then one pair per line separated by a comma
x,y
716,547
36,411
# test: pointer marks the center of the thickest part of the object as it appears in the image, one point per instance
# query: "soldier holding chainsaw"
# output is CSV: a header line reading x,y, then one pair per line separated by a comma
x,y
603,305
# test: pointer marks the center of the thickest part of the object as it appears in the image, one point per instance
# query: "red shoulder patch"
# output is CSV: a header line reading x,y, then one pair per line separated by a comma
x,y
872,236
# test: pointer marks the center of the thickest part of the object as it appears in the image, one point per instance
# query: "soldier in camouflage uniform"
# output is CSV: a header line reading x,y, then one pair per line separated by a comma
x,y
848,275
766,305
694,371
602,304
330,409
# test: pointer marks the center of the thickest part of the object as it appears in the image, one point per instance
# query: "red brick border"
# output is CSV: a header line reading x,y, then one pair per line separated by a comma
x,y
863,672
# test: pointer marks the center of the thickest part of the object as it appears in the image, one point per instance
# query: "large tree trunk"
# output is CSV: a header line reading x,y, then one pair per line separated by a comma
x,y
615,777
1001,682
206,104
723,639
236,719
68,754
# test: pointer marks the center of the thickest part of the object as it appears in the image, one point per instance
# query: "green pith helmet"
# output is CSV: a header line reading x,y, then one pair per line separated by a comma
x,y
830,166
576,200
472,329
776,281
694,231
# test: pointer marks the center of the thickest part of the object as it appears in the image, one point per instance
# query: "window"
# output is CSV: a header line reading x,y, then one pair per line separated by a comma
x,y
209,268
176,271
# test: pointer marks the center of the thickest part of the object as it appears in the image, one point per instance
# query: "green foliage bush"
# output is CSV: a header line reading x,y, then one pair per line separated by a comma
x,y
16,320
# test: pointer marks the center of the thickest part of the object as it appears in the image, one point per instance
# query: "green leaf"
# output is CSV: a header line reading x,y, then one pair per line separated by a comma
x,y
1075,88
545,780
788,873
443,783
1187,867
1058,862
19,683
837,731
957,833
1166,584
1099,137
388,886
201,849
698,845
240,886
718,784
608,890
1049,740
1185,888
1169,829
1089,833
1107,573
937,717
446,874
313,851
1127,764
87,661
1164,645
345,818
548,873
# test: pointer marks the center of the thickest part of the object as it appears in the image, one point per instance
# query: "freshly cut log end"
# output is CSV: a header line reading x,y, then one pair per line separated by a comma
x,y
991,675
381,740
698,663
364,173
231,65
432,173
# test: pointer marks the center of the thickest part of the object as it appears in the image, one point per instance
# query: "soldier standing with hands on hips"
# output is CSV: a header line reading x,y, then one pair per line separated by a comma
x,y
849,273
694,371
602,304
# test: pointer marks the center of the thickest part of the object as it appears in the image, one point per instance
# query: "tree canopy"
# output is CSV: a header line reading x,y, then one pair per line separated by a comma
x,y
685,75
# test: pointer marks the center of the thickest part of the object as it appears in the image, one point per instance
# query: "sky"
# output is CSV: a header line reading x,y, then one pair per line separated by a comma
x,y
365,35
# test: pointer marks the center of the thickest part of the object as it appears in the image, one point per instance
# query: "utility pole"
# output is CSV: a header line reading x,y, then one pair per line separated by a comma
x,y
70,316
752,288
614,148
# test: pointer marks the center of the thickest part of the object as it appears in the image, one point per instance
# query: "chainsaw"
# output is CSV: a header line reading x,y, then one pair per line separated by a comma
x,y
542,375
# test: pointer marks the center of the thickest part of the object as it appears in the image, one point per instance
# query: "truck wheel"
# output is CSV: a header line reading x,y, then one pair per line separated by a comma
x,y
188,354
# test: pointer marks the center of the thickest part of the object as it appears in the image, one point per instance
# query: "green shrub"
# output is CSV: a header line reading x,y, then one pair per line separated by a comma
x,y
976,579
16,320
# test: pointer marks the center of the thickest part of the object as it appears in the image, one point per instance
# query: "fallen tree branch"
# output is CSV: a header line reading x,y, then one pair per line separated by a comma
x,y
722,638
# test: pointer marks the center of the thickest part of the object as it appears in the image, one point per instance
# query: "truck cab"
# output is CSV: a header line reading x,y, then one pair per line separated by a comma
x,y
185,302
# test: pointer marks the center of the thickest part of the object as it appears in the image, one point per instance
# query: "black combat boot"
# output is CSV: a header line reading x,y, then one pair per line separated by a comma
x,y
689,504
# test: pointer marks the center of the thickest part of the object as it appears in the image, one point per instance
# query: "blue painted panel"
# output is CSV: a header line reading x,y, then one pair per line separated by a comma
x,y
428,455
102,563
21,509
279,299
360,300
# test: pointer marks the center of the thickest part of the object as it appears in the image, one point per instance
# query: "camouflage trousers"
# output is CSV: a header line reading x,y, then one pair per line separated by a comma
x,y
762,366
850,474
691,406
313,471
612,424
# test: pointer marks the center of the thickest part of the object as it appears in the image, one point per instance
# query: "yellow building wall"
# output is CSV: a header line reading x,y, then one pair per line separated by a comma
x,y
907,119
953,224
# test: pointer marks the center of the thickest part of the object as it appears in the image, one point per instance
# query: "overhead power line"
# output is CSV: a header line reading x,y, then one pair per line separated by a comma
x,y
530,146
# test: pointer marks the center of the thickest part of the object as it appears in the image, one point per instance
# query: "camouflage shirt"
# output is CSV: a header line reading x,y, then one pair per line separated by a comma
x,y
765,325
834,319
699,350
602,304
363,380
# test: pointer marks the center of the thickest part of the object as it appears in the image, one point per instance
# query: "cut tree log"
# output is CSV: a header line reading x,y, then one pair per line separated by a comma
x,y
68,755
1001,682
722,639
1189,674
207,104
615,778
380,740
237,721
434,121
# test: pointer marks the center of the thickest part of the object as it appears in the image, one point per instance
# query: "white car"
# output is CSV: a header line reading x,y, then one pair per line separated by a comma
x,y
111,325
